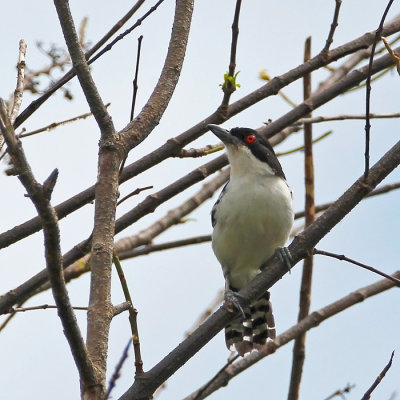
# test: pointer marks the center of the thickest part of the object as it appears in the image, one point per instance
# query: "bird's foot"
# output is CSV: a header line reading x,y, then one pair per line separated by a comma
x,y
239,302
285,257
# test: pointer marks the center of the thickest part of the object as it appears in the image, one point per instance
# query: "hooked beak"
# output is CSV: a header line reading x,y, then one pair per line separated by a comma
x,y
223,134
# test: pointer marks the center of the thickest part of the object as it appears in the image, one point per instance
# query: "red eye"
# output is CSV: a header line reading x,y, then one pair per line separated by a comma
x,y
250,138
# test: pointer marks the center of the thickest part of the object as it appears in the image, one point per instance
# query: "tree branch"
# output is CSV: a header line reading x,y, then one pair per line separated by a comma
x,y
378,380
378,34
106,193
147,383
71,73
306,278
174,145
311,321
41,201
138,129
334,25
151,202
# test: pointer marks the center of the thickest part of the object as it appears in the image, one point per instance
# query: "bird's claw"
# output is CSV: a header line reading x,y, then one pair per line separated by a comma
x,y
238,302
285,257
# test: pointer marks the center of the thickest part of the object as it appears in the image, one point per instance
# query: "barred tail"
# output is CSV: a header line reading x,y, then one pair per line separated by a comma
x,y
252,332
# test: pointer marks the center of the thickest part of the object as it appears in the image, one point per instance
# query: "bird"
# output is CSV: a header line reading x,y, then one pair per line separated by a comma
x,y
251,220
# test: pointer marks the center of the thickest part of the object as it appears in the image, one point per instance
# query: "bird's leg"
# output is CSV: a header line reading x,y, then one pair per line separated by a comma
x,y
238,301
285,257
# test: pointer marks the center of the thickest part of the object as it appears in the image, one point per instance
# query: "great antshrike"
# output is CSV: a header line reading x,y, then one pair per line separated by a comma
x,y
252,219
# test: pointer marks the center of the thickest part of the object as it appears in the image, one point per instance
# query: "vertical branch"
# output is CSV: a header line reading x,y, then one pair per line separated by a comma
x,y
334,25
306,280
110,155
135,80
40,196
229,85
19,90
378,34
132,317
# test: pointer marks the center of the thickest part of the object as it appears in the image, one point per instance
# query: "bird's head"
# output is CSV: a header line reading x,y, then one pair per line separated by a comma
x,y
246,146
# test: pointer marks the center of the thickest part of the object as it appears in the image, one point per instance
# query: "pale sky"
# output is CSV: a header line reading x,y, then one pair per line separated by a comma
x,y
171,289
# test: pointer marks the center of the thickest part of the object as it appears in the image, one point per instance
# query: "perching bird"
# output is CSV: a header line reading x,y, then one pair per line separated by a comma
x,y
252,218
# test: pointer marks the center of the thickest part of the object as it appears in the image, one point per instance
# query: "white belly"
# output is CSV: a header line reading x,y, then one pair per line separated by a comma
x,y
258,221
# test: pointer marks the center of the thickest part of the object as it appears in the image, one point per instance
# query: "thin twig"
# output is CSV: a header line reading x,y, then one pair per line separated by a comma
x,y
334,25
117,371
301,148
134,193
342,257
56,124
378,380
228,86
311,321
341,392
204,151
378,34
344,117
19,90
151,248
132,317
71,73
135,80
43,307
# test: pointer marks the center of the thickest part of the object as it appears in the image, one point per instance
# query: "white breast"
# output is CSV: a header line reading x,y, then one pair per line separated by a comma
x,y
253,219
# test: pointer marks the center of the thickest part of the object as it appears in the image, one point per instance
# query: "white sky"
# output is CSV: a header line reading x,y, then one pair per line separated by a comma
x,y
172,288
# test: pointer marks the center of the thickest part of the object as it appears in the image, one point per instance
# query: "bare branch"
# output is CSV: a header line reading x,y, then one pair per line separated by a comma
x,y
378,34
306,277
120,308
229,85
342,257
43,307
334,25
344,117
147,383
135,80
151,248
70,74
134,193
138,129
378,380
81,68
106,193
56,124
381,190
173,146
51,233
19,90
311,321
132,317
